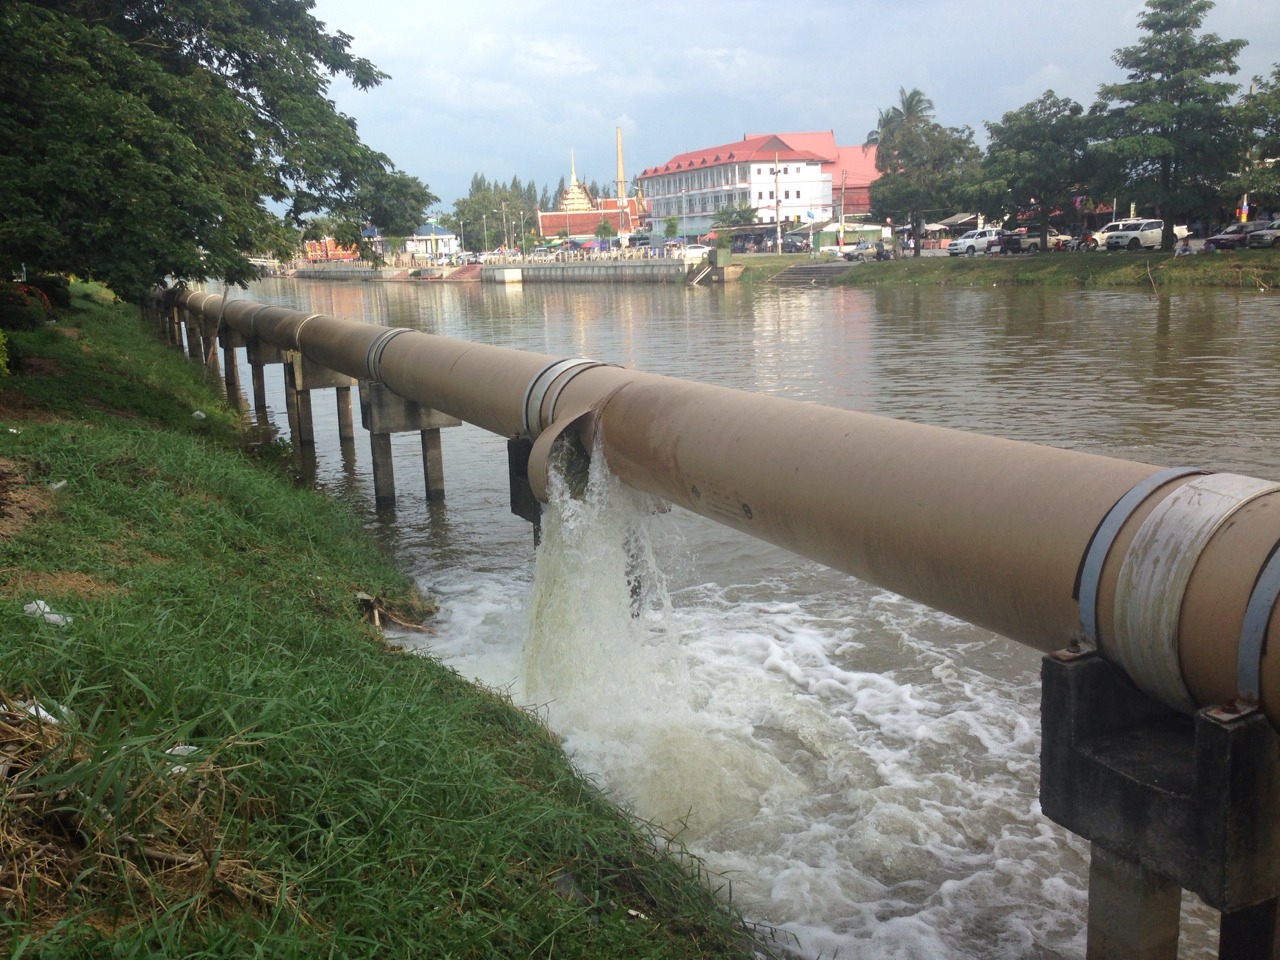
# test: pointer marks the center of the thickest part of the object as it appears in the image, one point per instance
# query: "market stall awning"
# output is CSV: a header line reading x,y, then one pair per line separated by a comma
x,y
957,219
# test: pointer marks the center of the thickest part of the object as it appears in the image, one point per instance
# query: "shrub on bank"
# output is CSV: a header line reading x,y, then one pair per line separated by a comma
x,y
23,307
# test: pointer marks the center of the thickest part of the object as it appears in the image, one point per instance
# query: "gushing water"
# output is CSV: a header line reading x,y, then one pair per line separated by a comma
x,y
605,656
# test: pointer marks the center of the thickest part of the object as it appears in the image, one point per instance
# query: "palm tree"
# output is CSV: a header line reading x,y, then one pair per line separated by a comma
x,y
913,110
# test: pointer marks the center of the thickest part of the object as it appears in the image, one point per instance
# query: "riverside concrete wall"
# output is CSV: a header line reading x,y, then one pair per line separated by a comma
x,y
617,271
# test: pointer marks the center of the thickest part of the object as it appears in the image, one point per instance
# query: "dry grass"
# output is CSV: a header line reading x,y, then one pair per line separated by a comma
x,y
137,831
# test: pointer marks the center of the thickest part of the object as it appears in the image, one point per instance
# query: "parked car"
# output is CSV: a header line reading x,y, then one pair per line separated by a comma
x,y
1234,235
1028,240
696,251
1268,236
1136,235
862,252
975,241
541,254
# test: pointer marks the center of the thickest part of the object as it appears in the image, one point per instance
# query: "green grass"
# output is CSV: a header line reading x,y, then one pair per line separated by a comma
x,y
1245,269
1242,269
344,800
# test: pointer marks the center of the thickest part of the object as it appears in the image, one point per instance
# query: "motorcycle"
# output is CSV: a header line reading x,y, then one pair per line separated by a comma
x,y
1086,241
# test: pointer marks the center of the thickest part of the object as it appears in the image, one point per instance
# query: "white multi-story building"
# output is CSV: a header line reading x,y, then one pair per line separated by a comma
x,y
793,178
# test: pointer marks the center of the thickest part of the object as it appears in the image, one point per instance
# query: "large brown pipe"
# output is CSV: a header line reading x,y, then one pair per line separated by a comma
x,y
1175,568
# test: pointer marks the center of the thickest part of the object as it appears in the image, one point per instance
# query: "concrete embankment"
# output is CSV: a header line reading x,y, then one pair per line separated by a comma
x,y
601,271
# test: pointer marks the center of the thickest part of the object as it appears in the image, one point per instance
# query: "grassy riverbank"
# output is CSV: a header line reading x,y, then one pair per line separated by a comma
x,y
1243,269
330,796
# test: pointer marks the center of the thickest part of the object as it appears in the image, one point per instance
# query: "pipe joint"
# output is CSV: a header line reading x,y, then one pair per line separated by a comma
x,y
546,385
1095,555
1156,570
373,356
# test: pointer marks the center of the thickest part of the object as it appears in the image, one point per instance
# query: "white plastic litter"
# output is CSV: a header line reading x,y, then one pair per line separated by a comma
x,y
181,750
58,486
37,712
199,415
41,609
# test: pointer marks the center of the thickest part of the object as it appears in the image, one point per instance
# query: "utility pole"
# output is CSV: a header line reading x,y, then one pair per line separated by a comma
x,y
777,208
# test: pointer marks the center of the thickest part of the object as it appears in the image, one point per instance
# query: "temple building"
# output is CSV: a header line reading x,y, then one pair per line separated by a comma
x,y
578,215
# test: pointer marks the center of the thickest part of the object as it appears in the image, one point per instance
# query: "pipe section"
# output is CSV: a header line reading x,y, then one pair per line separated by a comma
x,y
1004,534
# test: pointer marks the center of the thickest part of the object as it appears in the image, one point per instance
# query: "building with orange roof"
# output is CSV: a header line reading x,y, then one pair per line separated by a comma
x,y
790,178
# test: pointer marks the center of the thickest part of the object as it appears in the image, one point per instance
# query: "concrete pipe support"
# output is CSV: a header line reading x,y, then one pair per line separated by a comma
x,y
1170,573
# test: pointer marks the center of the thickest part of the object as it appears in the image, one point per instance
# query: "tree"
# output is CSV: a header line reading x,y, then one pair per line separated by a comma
x,y
912,110
395,202
921,162
145,141
1260,176
1035,160
743,215
1169,137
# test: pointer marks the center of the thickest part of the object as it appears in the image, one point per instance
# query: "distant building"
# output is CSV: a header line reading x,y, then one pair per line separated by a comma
x,y
428,240
578,215
795,178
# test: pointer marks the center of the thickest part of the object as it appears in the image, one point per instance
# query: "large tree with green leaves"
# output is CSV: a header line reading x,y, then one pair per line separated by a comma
x,y
146,141
1260,175
1035,161
1169,137
921,162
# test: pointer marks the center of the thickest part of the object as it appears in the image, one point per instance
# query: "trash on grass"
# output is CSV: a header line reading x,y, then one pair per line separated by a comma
x,y
41,609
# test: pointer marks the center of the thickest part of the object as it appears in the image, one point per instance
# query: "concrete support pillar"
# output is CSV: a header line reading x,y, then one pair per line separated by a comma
x,y
291,405
1168,802
1133,913
298,404
230,340
260,354
1250,932
209,345
303,375
384,474
432,465
192,329
346,428
383,413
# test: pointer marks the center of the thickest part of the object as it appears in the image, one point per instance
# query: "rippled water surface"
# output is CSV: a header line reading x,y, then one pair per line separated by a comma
x,y
863,770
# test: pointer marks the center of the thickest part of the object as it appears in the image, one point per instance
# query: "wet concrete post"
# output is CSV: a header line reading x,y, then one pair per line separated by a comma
x,y
230,341
260,353
303,375
209,346
191,325
1168,802
298,406
346,427
382,413
1133,913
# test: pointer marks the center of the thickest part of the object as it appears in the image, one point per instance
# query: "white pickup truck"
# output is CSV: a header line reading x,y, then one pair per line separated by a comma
x,y
974,242
1137,234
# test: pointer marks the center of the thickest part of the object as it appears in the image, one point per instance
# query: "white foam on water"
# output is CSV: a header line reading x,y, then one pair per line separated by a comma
x,y
832,750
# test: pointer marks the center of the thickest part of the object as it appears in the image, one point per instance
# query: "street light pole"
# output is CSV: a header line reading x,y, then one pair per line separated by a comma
x,y
484,222
506,239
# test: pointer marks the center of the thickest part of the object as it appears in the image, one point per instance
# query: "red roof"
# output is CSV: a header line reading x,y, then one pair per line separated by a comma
x,y
857,165
584,223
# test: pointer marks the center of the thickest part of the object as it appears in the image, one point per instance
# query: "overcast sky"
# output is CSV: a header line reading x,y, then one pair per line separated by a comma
x,y
508,87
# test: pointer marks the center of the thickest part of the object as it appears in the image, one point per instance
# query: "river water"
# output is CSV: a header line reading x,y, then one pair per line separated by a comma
x,y
861,770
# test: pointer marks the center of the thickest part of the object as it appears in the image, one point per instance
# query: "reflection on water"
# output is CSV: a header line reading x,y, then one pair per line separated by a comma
x,y
864,769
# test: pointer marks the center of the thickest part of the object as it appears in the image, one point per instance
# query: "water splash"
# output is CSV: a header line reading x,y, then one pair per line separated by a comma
x,y
604,657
